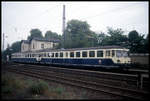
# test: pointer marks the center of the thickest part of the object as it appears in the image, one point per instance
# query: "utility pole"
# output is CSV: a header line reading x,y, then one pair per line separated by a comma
x,y
64,26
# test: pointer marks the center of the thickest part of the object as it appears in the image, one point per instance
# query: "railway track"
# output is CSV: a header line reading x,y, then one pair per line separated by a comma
x,y
124,79
60,77
82,76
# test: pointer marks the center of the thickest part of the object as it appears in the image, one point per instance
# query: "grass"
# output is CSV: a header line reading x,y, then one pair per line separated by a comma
x,y
38,88
18,87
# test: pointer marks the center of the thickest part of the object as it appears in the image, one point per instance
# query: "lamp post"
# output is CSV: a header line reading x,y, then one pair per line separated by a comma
x,y
4,40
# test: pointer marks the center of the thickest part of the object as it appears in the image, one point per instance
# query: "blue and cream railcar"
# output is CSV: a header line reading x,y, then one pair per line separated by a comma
x,y
94,56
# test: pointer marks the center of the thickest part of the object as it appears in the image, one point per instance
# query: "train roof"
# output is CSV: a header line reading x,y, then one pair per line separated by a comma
x,y
74,49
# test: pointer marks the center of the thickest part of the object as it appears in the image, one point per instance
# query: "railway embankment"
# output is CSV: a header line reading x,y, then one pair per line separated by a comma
x,y
101,82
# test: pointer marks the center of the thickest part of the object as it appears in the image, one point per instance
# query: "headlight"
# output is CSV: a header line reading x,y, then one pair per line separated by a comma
x,y
118,60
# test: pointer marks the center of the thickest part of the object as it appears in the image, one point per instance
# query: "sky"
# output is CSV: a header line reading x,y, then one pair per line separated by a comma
x,y
18,18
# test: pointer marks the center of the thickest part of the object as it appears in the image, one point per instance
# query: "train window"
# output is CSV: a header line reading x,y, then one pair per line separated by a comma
x,y
41,55
56,54
125,53
107,53
77,54
71,54
49,54
99,53
61,54
52,54
118,53
44,54
32,55
92,53
66,54
84,54
113,53
42,46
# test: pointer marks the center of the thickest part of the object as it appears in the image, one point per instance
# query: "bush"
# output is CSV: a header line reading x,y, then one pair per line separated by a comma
x,y
7,80
39,88
7,90
10,84
59,90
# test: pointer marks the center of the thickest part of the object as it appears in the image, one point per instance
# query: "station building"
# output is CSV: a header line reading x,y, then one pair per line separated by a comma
x,y
35,44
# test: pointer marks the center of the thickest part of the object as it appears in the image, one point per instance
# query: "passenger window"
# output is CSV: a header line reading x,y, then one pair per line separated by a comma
x,y
84,54
77,54
107,53
61,54
48,54
92,53
44,54
113,53
52,55
56,54
66,54
99,53
71,54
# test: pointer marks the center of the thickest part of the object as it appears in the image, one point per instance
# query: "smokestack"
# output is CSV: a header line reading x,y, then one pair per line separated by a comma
x,y
64,26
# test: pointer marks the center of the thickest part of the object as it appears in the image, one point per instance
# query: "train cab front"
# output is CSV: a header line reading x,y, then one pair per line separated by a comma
x,y
122,58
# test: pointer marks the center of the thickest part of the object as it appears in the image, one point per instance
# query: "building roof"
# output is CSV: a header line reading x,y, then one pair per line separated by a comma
x,y
40,39
46,40
25,41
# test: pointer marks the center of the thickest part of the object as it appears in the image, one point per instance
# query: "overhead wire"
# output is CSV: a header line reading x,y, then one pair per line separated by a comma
x,y
111,10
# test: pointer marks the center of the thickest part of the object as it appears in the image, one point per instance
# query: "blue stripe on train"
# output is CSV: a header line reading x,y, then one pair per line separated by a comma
x,y
67,61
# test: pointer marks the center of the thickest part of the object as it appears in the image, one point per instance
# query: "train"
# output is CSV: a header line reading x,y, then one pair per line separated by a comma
x,y
100,57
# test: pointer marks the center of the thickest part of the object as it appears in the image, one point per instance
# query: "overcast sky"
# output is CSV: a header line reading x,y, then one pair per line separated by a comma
x,y
18,18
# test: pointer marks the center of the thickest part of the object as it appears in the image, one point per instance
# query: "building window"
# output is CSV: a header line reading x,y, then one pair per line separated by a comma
x,y
42,46
33,46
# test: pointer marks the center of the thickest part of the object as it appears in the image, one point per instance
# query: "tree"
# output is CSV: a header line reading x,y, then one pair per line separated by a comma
x,y
78,34
136,42
35,33
16,46
114,37
52,35
146,44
